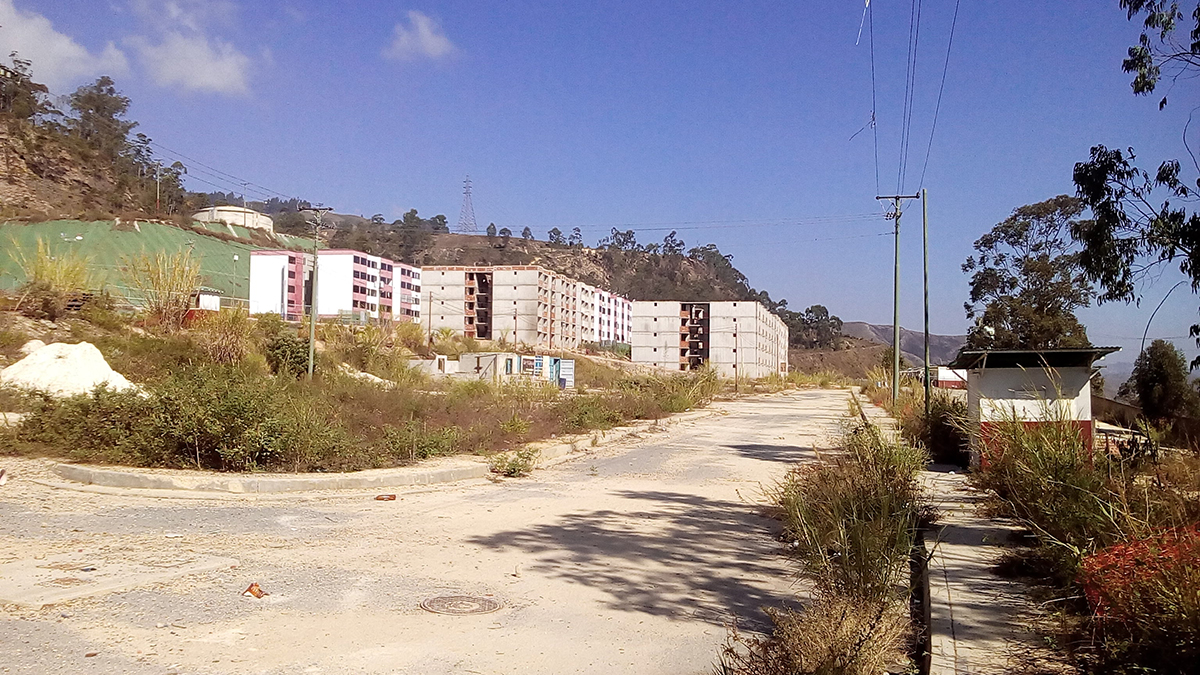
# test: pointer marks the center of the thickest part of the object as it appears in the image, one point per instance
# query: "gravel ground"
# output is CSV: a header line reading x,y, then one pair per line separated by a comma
x,y
630,558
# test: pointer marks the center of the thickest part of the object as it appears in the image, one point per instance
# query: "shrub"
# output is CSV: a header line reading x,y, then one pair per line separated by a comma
x,y
108,427
222,418
1122,528
269,326
408,334
943,433
415,440
1146,596
515,464
515,425
589,411
287,355
226,336
1046,477
100,311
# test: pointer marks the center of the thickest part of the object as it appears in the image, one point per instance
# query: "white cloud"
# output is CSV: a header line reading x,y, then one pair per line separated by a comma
x,y
195,63
58,60
422,37
186,15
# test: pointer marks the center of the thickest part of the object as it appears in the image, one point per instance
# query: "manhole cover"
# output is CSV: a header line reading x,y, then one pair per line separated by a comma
x,y
460,604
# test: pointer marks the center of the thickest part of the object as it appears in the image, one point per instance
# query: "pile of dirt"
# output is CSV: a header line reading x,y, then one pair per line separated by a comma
x,y
62,369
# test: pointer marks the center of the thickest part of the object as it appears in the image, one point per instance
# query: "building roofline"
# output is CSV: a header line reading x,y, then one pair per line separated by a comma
x,y
1079,357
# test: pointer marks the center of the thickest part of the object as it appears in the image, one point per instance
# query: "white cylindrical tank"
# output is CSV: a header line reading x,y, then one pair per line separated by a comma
x,y
236,215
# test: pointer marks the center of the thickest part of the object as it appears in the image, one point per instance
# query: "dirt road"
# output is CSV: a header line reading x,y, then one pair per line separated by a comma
x,y
629,559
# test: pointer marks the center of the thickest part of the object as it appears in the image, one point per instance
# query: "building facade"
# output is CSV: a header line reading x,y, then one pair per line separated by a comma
x,y
516,303
740,339
614,318
352,283
349,284
280,283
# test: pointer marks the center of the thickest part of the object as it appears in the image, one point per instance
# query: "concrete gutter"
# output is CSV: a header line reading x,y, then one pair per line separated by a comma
x,y
447,471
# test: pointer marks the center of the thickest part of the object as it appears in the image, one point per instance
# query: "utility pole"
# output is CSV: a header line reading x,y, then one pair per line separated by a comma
x,y
312,311
896,205
925,252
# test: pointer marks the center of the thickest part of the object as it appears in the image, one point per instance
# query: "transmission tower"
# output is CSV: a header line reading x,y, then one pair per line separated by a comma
x,y
466,217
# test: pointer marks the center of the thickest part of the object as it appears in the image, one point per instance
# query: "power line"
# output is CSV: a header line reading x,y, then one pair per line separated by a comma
x,y
874,105
910,86
235,180
721,224
942,88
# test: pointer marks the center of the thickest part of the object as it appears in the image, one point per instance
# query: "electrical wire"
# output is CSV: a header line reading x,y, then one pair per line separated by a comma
x,y
910,85
874,105
235,180
941,89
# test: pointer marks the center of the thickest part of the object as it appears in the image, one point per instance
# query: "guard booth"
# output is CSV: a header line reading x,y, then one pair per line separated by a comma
x,y
1051,386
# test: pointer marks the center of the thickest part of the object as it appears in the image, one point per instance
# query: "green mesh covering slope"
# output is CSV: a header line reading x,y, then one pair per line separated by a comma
x,y
224,265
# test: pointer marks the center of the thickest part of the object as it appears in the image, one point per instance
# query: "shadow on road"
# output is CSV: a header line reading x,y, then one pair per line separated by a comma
x,y
788,454
672,554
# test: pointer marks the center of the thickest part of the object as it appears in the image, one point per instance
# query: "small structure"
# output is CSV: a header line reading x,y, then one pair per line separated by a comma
x,y
1035,386
236,215
950,378
204,301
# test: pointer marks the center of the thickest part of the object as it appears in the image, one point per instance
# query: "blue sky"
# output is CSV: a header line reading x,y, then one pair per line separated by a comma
x,y
732,121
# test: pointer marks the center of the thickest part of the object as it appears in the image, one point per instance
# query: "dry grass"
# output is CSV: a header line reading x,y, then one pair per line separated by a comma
x,y
227,336
835,635
53,275
165,283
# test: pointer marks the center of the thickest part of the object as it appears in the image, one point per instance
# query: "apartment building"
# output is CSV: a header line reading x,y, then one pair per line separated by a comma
x,y
280,283
738,338
349,283
352,283
614,317
518,303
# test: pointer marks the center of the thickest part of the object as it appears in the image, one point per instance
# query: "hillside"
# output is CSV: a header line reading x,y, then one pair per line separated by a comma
x,y
942,348
638,273
42,179
853,360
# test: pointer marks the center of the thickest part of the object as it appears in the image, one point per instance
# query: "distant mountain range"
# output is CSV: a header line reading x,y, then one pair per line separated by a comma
x,y
942,348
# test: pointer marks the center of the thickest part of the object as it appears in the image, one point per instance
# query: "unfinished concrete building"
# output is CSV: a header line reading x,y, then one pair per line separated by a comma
x,y
515,303
738,338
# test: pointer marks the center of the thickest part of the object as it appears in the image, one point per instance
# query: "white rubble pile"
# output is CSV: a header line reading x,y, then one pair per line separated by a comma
x,y
62,369
365,377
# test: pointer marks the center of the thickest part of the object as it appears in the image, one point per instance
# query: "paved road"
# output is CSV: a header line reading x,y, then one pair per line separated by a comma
x,y
627,559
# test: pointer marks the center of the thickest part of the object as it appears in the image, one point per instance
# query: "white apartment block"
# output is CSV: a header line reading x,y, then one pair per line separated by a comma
x,y
353,283
738,338
614,317
518,303
280,283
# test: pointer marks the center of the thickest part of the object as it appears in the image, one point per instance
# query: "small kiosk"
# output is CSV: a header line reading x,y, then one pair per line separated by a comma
x,y
1035,386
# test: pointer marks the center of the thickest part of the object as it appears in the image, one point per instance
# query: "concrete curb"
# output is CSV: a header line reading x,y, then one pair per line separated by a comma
x,y
219,484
